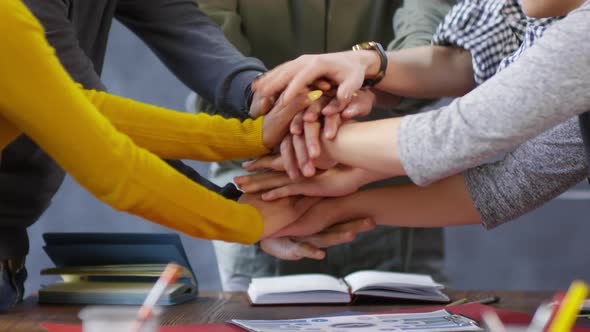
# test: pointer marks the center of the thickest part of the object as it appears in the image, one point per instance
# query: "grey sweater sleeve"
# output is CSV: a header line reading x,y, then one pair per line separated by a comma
x,y
546,86
193,47
536,172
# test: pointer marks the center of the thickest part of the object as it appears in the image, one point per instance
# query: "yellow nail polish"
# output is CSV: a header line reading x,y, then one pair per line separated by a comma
x,y
315,95
354,94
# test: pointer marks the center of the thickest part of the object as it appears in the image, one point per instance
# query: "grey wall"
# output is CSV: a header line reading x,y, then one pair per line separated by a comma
x,y
543,250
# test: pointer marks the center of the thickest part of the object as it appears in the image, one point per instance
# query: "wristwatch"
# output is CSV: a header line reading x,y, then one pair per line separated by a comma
x,y
374,46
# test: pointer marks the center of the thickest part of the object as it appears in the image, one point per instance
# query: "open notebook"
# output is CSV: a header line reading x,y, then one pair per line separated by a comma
x,y
320,288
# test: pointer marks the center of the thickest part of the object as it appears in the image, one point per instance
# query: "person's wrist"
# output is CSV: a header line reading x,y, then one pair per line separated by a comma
x,y
249,93
371,62
372,76
361,177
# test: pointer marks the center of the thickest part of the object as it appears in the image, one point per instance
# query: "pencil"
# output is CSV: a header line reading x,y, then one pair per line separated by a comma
x,y
459,301
569,307
486,300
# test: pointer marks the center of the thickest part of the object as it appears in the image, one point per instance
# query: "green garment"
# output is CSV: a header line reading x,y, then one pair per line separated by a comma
x,y
276,31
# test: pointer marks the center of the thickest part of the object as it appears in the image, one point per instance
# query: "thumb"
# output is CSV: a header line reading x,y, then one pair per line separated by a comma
x,y
350,85
276,123
261,106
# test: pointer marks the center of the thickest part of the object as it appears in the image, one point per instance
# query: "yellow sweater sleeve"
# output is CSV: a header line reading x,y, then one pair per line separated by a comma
x,y
41,100
177,135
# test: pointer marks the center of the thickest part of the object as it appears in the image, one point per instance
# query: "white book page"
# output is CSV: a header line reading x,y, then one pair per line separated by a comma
x,y
361,279
296,283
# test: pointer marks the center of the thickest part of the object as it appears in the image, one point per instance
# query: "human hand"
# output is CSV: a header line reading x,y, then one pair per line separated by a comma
x,y
302,151
289,162
294,248
337,181
345,69
326,213
360,105
261,105
276,123
307,125
278,214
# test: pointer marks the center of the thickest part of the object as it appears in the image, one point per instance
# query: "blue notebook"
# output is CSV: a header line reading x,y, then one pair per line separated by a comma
x,y
114,268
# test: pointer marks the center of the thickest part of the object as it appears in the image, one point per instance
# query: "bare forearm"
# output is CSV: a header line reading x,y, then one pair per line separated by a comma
x,y
428,72
363,176
369,145
445,203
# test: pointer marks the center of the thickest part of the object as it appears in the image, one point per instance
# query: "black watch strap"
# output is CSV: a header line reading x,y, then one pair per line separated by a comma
x,y
370,82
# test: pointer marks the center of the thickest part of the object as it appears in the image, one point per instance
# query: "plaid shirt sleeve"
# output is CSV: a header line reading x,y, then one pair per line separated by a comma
x,y
490,30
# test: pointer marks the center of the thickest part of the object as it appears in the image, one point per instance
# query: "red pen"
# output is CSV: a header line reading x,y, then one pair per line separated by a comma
x,y
556,302
167,278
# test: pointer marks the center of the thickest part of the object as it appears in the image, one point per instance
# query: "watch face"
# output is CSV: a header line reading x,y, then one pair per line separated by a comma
x,y
371,45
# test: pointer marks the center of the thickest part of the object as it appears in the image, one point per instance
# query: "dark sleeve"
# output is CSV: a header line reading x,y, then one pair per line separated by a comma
x,y
194,49
229,191
28,177
62,36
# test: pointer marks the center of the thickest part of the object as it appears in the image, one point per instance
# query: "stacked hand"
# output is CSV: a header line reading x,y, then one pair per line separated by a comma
x,y
298,127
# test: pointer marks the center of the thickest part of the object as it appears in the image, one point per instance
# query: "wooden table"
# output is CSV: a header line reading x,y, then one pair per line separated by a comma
x,y
219,307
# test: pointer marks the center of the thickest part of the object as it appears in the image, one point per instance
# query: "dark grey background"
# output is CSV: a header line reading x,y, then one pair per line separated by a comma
x,y
543,250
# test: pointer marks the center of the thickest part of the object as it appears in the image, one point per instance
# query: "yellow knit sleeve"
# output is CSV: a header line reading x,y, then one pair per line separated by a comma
x,y
40,99
8,132
178,135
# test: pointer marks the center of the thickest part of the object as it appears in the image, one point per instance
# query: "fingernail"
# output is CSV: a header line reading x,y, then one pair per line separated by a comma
x,y
315,95
247,163
354,94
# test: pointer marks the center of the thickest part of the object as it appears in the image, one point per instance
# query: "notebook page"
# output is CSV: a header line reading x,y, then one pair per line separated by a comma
x,y
296,283
361,279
